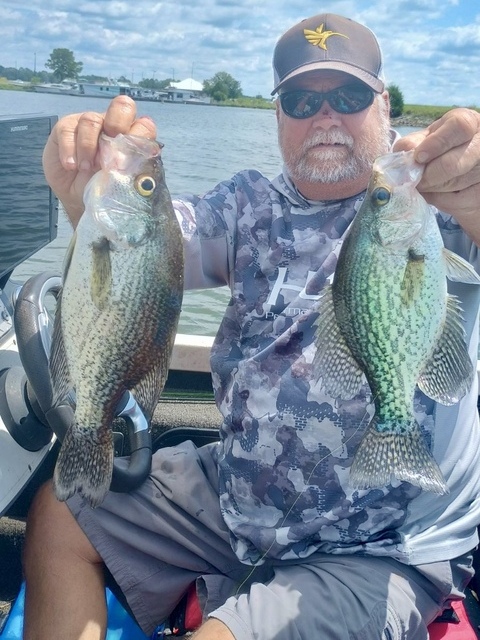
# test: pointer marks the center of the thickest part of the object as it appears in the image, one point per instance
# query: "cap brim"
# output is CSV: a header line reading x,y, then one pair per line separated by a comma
x,y
374,83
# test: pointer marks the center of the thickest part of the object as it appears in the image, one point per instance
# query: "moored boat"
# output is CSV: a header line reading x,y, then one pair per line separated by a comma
x,y
61,88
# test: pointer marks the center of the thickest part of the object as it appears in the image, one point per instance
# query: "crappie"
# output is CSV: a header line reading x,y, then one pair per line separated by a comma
x,y
388,315
117,315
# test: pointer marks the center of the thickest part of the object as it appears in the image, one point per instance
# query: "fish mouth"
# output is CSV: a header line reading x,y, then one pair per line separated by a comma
x,y
397,169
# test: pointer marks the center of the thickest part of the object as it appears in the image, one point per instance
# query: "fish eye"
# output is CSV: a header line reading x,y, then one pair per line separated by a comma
x,y
145,185
380,196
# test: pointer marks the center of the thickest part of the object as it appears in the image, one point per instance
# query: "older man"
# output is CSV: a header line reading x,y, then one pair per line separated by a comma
x,y
266,523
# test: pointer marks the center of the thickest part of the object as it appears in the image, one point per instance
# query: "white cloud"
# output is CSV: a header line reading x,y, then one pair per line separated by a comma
x,y
429,46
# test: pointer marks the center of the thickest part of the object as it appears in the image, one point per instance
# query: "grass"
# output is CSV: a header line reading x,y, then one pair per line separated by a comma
x,y
428,111
5,84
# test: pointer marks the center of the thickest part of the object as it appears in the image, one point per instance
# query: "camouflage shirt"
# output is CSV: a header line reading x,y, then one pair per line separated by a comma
x,y
286,446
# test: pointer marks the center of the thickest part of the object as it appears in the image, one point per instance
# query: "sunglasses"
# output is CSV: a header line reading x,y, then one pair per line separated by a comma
x,y
303,103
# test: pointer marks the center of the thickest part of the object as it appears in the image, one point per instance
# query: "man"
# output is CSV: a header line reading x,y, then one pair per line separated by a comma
x,y
266,523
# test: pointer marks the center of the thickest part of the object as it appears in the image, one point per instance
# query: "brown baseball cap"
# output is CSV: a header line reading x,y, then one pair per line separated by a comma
x,y
328,41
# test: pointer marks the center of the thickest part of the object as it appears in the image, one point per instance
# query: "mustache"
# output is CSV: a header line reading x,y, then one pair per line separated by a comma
x,y
334,136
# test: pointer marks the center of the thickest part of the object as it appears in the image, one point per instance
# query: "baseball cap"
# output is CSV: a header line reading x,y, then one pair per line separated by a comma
x,y
328,41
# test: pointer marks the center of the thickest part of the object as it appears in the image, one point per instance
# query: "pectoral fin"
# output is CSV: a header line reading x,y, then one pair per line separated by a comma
x,y
459,270
333,360
449,372
101,279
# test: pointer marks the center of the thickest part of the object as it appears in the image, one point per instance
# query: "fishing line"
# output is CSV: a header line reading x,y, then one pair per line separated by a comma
x,y
331,453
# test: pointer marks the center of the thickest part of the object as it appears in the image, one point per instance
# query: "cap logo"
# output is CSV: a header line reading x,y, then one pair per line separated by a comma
x,y
319,37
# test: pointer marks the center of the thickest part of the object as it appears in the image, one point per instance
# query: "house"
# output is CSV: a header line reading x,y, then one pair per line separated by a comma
x,y
189,91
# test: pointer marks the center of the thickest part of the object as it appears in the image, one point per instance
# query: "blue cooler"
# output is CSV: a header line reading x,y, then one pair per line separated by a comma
x,y
120,625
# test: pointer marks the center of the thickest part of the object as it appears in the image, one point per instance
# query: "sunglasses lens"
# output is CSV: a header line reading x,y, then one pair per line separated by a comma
x,y
348,99
351,99
300,104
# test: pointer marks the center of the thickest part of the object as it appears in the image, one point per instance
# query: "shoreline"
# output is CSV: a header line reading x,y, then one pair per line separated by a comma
x,y
412,121
409,119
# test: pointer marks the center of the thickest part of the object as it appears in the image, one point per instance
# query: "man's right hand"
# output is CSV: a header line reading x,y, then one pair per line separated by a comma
x,y
70,157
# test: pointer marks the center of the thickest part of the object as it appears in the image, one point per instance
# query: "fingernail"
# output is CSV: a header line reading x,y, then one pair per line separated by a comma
x,y
71,162
85,165
422,157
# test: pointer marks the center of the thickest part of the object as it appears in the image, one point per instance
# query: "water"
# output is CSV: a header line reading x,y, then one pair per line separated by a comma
x,y
203,145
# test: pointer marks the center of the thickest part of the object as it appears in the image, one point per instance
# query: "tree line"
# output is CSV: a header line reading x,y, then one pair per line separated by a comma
x,y
64,66
221,87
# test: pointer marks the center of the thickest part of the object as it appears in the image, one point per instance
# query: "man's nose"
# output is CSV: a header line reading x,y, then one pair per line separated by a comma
x,y
327,117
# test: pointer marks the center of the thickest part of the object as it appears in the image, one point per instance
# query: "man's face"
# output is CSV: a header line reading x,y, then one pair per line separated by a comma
x,y
331,147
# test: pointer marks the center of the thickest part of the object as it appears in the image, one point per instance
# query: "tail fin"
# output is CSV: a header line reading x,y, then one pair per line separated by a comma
x,y
84,464
402,455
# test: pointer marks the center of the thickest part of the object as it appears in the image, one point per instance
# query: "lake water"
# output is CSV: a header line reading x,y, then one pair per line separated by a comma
x,y
203,145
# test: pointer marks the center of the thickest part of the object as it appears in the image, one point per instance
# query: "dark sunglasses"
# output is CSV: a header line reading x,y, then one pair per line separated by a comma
x,y
303,103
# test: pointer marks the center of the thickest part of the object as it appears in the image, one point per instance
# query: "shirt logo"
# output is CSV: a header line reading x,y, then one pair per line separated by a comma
x,y
319,37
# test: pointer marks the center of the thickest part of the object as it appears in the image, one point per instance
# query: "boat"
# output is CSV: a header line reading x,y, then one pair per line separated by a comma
x,y
30,440
198,101
61,88
101,89
111,89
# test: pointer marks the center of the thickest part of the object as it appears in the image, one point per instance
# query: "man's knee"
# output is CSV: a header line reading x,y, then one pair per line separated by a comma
x,y
51,528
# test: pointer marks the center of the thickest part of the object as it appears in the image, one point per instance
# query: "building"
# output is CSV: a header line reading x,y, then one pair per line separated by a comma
x,y
189,91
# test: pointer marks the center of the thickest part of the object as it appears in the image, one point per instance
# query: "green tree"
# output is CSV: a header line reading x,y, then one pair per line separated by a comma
x,y
63,64
396,101
156,85
222,87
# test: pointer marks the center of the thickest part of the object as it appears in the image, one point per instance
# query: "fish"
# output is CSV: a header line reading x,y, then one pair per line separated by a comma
x,y
387,317
118,310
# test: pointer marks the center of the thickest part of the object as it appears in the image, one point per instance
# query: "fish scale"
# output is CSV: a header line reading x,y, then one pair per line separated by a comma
x,y
392,320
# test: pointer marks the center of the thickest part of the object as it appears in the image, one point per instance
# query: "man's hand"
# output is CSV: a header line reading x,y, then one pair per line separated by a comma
x,y
70,157
450,150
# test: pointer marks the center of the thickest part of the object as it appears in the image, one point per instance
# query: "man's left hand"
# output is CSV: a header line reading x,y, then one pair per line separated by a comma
x,y
450,150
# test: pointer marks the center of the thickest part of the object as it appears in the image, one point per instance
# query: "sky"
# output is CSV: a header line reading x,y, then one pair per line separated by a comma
x,y
431,48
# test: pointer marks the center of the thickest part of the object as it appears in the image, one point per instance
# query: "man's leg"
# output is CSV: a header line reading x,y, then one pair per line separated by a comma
x,y
65,595
213,630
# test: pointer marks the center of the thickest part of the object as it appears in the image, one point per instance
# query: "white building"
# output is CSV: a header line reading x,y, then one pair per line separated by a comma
x,y
189,91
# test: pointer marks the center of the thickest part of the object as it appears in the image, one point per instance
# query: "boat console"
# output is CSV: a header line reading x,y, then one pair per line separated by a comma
x,y
28,222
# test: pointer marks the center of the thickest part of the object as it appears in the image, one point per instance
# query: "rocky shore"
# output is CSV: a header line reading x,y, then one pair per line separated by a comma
x,y
411,121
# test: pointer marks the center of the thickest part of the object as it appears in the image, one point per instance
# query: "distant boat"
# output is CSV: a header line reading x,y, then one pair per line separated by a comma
x,y
112,89
65,88
101,89
198,101
139,93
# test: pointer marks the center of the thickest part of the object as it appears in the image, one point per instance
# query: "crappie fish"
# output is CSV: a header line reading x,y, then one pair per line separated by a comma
x,y
388,315
117,315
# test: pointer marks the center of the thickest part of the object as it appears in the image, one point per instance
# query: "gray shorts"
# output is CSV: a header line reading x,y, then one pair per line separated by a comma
x,y
158,540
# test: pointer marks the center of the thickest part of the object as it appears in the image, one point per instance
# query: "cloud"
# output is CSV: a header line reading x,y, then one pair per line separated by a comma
x,y
422,40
